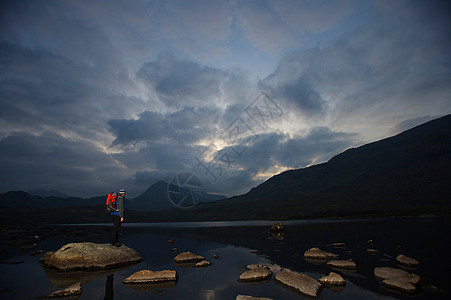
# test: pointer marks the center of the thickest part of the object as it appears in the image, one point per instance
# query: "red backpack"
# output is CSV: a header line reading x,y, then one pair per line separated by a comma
x,y
111,205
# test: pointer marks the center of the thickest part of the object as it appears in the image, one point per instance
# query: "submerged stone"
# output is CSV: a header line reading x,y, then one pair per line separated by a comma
x,y
73,290
372,251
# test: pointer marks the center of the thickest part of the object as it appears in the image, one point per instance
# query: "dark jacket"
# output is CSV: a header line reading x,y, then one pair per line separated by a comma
x,y
120,204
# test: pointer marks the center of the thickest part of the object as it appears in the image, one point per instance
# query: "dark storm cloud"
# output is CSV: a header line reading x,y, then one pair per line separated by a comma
x,y
180,82
390,61
49,160
185,126
271,149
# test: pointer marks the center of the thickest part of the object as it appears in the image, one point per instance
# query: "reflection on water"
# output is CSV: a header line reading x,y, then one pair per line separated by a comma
x,y
232,243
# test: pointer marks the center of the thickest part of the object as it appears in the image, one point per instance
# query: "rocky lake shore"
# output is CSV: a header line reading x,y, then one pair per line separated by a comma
x,y
366,259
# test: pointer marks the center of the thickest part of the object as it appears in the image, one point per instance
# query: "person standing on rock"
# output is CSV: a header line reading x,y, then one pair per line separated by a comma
x,y
118,217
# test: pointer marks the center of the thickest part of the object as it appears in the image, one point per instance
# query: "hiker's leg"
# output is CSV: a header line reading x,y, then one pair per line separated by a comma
x,y
116,227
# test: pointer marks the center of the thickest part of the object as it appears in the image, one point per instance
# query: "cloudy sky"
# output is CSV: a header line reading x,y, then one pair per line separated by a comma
x,y
98,95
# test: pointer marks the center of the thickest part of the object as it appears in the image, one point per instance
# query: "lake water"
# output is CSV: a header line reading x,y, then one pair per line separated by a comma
x,y
424,239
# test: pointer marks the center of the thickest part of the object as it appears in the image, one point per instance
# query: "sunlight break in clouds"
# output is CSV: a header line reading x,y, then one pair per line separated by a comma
x,y
100,94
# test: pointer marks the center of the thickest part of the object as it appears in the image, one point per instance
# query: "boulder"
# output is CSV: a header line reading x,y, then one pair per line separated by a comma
x,y
90,256
333,279
315,253
258,273
397,279
187,257
407,261
73,290
245,297
147,276
348,264
302,283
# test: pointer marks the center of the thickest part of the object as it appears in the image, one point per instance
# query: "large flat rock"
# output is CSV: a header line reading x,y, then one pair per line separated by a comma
x,y
148,276
188,257
316,253
258,273
90,256
398,279
301,282
342,264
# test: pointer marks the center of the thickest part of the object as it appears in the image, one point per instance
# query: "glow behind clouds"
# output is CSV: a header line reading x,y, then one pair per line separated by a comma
x,y
96,95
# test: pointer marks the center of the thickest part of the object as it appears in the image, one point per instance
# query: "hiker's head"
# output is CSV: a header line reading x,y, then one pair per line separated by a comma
x,y
122,192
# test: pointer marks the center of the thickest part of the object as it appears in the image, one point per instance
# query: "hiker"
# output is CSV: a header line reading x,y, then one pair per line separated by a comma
x,y
117,213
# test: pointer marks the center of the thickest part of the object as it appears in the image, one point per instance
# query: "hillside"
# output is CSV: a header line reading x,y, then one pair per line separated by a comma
x,y
155,198
405,174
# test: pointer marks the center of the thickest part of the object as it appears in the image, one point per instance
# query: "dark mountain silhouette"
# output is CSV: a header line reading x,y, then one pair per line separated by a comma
x,y
24,199
156,198
409,173
45,193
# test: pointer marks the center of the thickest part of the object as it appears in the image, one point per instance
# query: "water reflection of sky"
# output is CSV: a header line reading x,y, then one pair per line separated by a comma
x,y
233,245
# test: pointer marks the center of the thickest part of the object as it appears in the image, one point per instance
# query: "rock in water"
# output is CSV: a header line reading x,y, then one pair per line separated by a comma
x,y
73,290
147,276
398,279
303,283
245,297
187,257
90,256
333,279
256,274
315,253
407,261
202,264
342,264
277,228
372,251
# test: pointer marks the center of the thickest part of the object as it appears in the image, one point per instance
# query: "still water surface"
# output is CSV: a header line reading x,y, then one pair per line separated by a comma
x,y
424,239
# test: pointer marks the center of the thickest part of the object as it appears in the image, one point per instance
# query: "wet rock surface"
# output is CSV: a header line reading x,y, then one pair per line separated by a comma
x,y
342,264
188,257
372,251
397,279
333,279
71,291
90,256
202,264
301,282
407,261
316,253
148,276
257,273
